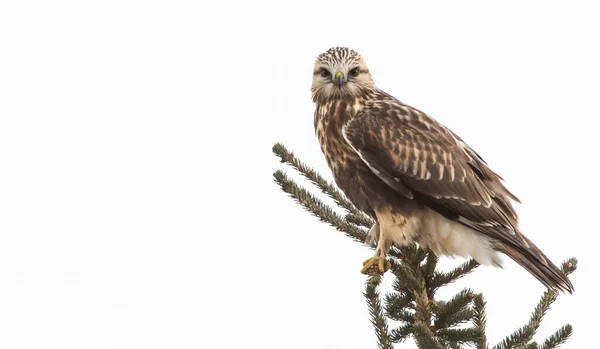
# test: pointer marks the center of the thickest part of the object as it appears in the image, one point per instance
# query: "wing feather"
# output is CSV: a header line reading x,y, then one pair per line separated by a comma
x,y
418,155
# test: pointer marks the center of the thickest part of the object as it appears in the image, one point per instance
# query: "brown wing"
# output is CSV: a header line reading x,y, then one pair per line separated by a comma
x,y
405,146
417,156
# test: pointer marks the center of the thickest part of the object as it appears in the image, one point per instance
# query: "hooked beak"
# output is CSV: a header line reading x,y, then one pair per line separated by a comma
x,y
339,78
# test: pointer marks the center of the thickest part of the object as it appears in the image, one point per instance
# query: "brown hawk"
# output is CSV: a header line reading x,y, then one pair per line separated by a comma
x,y
417,179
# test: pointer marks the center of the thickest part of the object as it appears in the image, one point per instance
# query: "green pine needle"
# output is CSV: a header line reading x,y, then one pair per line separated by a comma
x,y
479,321
406,278
455,311
397,302
428,267
558,338
458,335
317,207
312,175
404,315
400,334
424,337
441,279
524,335
377,317
360,220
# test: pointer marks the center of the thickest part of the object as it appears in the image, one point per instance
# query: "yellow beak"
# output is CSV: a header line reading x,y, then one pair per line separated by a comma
x,y
339,76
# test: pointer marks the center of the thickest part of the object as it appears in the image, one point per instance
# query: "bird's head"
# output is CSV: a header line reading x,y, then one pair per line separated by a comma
x,y
339,73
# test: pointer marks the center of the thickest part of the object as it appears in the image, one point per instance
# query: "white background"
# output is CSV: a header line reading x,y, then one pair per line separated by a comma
x,y
137,207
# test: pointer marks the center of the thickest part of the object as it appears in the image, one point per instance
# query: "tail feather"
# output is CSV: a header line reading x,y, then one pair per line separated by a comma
x,y
536,263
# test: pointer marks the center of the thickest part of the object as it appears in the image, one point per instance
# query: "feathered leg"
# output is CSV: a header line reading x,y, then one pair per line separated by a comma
x,y
383,245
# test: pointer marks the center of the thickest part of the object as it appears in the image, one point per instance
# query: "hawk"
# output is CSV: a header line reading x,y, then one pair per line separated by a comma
x,y
417,179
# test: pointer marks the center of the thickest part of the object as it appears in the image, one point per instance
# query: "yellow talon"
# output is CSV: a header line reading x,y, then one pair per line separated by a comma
x,y
382,264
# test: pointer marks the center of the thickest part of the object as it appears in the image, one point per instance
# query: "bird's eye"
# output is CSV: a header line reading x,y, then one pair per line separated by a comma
x,y
354,72
325,73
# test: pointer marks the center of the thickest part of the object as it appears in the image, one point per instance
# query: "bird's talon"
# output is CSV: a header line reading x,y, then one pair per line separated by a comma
x,y
381,262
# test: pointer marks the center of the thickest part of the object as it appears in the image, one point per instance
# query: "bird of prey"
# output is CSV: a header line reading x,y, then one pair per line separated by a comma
x,y
417,179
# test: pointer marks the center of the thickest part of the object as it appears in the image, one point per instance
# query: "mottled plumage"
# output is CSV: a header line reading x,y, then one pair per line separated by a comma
x,y
415,177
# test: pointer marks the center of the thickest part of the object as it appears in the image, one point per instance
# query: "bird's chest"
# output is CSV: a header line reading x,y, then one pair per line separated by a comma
x,y
349,170
329,121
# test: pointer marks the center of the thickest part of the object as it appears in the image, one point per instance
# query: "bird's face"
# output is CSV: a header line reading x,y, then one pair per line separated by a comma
x,y
339,73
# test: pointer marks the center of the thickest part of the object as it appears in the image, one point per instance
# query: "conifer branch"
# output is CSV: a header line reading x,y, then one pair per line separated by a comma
x,y
524,335
428,267
424,337
354,218
569,266
406,279
538,313
441,279
317,207
479,322
423,304
400,334
377,317
517,339
325,186
421,254
404,315
458,335
455,311
398,301
557,338
360,220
